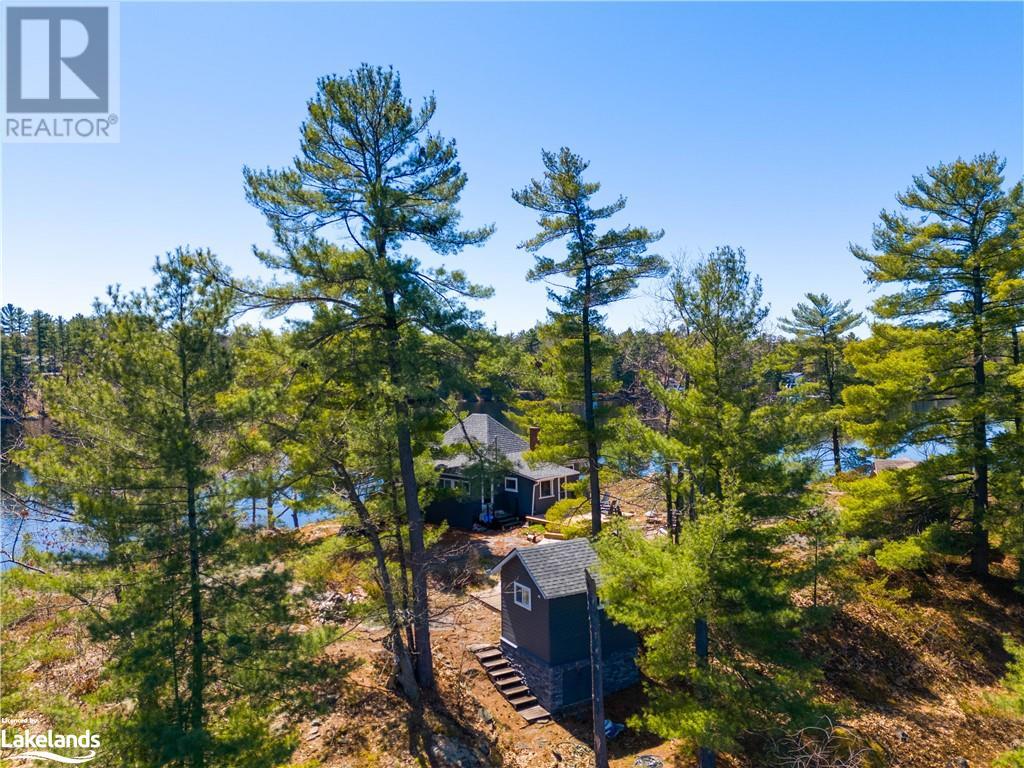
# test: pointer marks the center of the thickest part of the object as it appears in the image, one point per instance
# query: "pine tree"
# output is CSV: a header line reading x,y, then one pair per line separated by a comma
x,y
934,369
369,163
199,625
712,606
14,376
821,329
601,268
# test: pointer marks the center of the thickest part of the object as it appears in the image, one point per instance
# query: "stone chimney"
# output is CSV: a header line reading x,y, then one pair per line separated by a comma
x,y
534,437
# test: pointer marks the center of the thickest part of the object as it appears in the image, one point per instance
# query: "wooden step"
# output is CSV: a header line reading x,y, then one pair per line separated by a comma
x,y
494,663
523,701
509,681
516,691
533,714
486,654
500,675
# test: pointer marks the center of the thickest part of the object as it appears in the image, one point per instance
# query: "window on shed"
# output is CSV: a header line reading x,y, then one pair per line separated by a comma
x,y
512,484
521,595
546,489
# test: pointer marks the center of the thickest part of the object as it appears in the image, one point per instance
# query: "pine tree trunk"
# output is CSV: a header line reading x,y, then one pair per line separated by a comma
x,y
837,462
705,757
406,674
403,567
980,548
1018,426
197,683
407,469
590,423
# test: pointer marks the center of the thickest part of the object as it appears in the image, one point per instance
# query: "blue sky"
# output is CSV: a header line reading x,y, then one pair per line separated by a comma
x,y
781,128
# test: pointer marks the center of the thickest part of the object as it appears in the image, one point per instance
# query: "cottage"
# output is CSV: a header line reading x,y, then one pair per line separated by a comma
x,y
545,632
520,489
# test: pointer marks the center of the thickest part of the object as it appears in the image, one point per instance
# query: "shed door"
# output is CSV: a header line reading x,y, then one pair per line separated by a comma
x,y
576,685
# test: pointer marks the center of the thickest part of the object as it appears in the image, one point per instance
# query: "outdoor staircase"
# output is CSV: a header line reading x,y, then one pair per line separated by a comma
x,y
505,520
509,683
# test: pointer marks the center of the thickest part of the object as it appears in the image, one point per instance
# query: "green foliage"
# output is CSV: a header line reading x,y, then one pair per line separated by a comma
x,y
369,163
201,620
599,268
935,372
920,550
721,571
603,267
1012,701
821,329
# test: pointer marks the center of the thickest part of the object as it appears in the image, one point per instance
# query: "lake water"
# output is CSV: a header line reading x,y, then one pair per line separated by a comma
x,y
55,531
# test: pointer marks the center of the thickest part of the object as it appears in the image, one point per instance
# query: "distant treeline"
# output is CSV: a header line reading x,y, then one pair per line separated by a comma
x,y
33,344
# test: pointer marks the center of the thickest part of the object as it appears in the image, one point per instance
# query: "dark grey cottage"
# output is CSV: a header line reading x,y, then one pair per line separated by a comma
x,y
544,627
525,490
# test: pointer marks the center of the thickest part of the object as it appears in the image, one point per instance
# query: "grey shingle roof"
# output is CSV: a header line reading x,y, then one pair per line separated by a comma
x,y
541,471
485,432
556,568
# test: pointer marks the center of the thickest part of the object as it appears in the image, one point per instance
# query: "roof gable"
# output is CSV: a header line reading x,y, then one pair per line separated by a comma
x,y
486,433
556,568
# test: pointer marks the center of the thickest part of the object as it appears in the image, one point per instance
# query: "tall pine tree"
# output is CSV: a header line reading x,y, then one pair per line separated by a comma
x,y
370,168
821,330
598,268
933,370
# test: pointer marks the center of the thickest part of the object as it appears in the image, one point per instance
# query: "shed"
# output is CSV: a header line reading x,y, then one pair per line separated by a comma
x,y
544,625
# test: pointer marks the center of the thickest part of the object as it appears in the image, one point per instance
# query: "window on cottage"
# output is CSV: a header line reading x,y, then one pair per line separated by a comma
x,y
521,595
546,489
512,484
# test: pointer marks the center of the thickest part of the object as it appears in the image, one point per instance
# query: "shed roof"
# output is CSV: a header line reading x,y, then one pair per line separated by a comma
x,y
556,567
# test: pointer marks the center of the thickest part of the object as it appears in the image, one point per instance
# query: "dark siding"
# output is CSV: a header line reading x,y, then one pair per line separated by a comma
x,y
458,514
527,629
543,505
570,631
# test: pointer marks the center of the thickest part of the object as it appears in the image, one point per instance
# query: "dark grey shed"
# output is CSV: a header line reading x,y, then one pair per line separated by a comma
x,y
544,626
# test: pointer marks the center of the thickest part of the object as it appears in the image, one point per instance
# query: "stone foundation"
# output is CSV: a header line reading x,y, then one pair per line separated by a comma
x,y
548,683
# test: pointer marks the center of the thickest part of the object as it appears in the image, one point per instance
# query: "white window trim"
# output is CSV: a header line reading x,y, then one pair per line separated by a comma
x,y
514,481
540,489
518,589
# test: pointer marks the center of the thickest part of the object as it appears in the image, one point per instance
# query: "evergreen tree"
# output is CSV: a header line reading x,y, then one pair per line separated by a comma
x,y
14,376
821,329
710,602
600,268
554,393
199,627
369,164
934,369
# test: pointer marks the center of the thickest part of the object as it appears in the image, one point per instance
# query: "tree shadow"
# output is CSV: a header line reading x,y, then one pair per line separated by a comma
x,y
619,707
